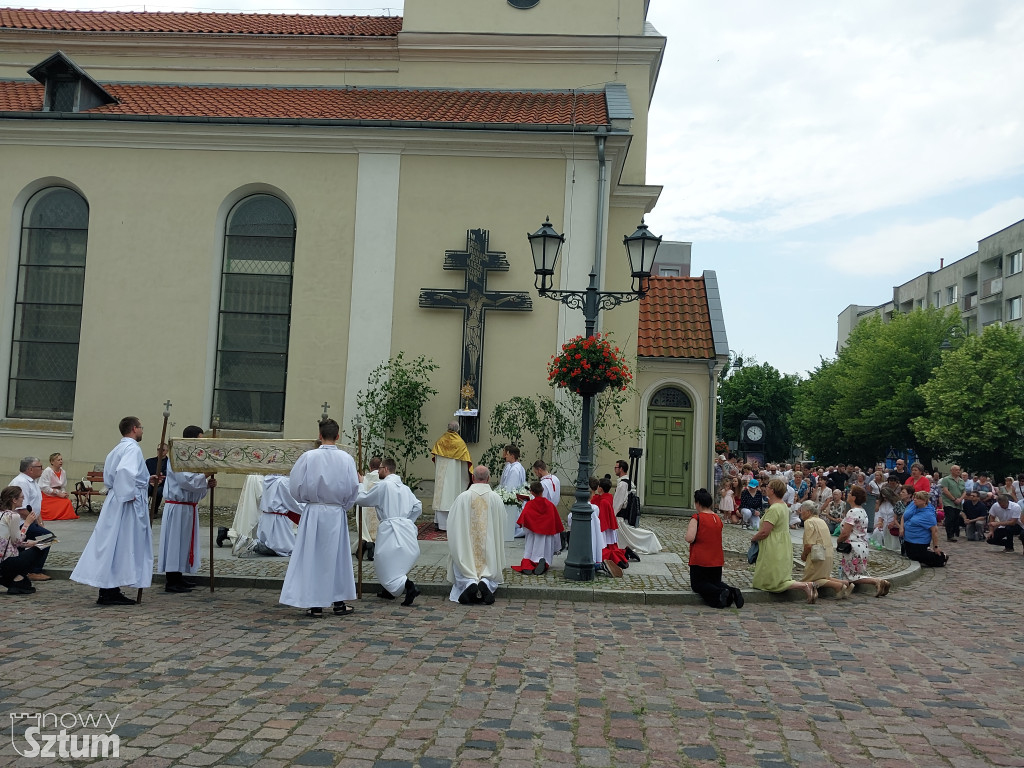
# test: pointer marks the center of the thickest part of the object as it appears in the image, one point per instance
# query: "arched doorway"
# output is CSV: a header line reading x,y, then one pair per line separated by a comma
x,y
669,479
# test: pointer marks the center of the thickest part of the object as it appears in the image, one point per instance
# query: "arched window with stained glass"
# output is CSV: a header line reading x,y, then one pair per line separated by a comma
x,y
255,314
670,397
48,306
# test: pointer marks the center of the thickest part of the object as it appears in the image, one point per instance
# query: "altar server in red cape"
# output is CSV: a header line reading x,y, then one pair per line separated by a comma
x,y
540,520
609,525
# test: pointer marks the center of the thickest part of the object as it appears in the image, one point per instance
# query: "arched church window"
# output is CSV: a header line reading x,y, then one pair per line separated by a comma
x,y
255,314
48,306
670,397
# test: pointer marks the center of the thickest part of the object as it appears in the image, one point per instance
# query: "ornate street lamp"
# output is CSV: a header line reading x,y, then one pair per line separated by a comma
x,y
641,248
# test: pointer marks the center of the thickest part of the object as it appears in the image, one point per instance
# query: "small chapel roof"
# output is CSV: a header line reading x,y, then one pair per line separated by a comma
x,y
676,318
201,23
376,106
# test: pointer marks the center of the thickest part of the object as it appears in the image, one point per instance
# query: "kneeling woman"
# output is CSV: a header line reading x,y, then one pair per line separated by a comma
x,y
18,555
773,571
704,535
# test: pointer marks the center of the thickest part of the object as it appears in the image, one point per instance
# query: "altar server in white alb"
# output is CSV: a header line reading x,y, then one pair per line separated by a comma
x,y
320,570
179,528
397,548
279,513
513,477
120,551
476,542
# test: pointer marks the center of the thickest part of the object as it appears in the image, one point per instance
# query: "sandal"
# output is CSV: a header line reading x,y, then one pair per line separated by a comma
x,y
315,613
340,609
811,591
882,589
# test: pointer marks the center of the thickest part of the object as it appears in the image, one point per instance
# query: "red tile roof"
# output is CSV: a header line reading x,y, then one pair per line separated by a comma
x,y
501,107
674,320
200,23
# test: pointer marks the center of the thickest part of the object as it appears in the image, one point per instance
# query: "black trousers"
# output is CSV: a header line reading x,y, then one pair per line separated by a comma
x,y
707,582
923,555
26,560
1005,536
31,532
952,522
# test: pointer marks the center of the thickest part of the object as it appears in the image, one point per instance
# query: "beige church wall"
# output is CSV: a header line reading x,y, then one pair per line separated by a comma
x,y
589,17
441,198
154,251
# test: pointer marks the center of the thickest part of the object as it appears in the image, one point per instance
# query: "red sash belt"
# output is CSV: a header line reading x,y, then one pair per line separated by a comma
x,y
192,538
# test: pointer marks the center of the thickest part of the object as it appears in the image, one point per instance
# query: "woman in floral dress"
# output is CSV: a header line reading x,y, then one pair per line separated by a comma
x,y
853,565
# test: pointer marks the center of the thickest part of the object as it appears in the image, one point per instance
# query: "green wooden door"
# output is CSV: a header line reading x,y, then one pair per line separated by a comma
x,y
669,480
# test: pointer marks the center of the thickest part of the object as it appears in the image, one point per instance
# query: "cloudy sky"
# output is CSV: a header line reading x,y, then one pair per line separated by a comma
x,y
815,154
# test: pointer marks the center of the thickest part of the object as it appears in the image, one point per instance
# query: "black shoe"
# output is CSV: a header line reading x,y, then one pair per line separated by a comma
x,y
737,597
340,609
383,594
19,588
177,586
368,550
469,595
315,613
485,594
222,535
411,592
113,597
189,584
631,555
540,568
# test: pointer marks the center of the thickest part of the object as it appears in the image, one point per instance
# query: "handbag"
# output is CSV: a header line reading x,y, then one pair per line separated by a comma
x,y
752,552
844,547
817,553
894,530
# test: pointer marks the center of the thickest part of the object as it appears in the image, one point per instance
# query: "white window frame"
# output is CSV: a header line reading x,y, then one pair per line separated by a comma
x,y
951,294
1016,303
1015,263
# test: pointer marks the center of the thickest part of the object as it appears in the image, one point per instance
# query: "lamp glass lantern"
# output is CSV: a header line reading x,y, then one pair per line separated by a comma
x,y
546,244
641,248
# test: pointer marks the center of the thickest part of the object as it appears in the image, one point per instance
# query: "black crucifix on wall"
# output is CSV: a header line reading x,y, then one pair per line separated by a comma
x,y
475,301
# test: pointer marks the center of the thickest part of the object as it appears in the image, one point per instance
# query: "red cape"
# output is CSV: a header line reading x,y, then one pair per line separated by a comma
x,y
540,516
606,512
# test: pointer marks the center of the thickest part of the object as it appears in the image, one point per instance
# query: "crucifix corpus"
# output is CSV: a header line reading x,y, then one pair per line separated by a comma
x,y
475,301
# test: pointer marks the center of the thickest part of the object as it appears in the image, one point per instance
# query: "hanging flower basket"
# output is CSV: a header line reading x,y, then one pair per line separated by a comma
x,y
588,365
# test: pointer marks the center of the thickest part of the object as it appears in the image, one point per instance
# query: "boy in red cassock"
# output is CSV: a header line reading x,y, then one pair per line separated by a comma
x,y
542,524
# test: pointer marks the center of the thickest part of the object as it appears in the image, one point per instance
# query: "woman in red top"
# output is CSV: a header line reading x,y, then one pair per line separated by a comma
x,y
919,479
704,535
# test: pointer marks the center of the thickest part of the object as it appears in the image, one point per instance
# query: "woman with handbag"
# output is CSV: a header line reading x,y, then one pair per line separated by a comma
x,y
817,553
852,545
773,571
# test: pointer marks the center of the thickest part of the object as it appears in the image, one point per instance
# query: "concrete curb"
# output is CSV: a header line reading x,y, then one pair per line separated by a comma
x,y
589,592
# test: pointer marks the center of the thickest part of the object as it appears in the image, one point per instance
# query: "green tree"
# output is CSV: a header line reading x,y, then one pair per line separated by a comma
x,y
877,383
391,405
974,403
760,389
813,422
539,425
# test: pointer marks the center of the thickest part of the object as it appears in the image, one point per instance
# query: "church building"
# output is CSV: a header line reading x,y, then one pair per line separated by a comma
x,y
245,214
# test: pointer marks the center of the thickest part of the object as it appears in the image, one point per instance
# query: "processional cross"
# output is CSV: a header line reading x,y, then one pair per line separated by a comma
x,y
475,300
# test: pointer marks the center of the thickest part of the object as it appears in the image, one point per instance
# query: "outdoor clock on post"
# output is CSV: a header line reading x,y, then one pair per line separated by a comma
x,y
752,433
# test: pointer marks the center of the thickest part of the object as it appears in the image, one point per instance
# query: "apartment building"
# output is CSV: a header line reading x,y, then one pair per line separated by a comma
x,y
987,286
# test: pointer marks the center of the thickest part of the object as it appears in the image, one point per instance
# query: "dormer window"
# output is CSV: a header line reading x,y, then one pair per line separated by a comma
x,y
69,88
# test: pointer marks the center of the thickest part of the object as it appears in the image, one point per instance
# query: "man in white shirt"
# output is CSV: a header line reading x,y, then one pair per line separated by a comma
x,y
513,477
30,469
1003,522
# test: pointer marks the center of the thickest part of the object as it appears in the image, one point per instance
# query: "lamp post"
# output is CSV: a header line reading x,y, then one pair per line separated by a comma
x,y
641,248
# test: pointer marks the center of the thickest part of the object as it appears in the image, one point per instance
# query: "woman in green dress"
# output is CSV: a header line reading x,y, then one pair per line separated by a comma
x,y
773,571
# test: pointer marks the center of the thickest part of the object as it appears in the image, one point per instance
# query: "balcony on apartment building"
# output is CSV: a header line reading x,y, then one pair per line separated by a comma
x,y
970,301
991,287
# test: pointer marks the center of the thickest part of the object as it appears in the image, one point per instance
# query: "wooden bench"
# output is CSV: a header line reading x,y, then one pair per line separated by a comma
x,y
89,486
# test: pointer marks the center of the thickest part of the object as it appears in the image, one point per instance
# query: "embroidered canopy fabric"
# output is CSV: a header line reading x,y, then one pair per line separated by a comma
x,y
242,456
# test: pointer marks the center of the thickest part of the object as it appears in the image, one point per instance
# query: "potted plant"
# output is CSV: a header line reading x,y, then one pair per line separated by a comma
x,y
588,365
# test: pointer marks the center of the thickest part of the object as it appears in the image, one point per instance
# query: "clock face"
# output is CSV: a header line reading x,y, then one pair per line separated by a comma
x,y
754,433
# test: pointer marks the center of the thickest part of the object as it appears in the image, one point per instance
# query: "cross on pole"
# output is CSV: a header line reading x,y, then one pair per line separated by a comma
x,y
474,300
323,417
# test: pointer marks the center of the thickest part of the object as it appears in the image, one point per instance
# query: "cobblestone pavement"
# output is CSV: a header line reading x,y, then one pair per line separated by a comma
x,y
928,676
